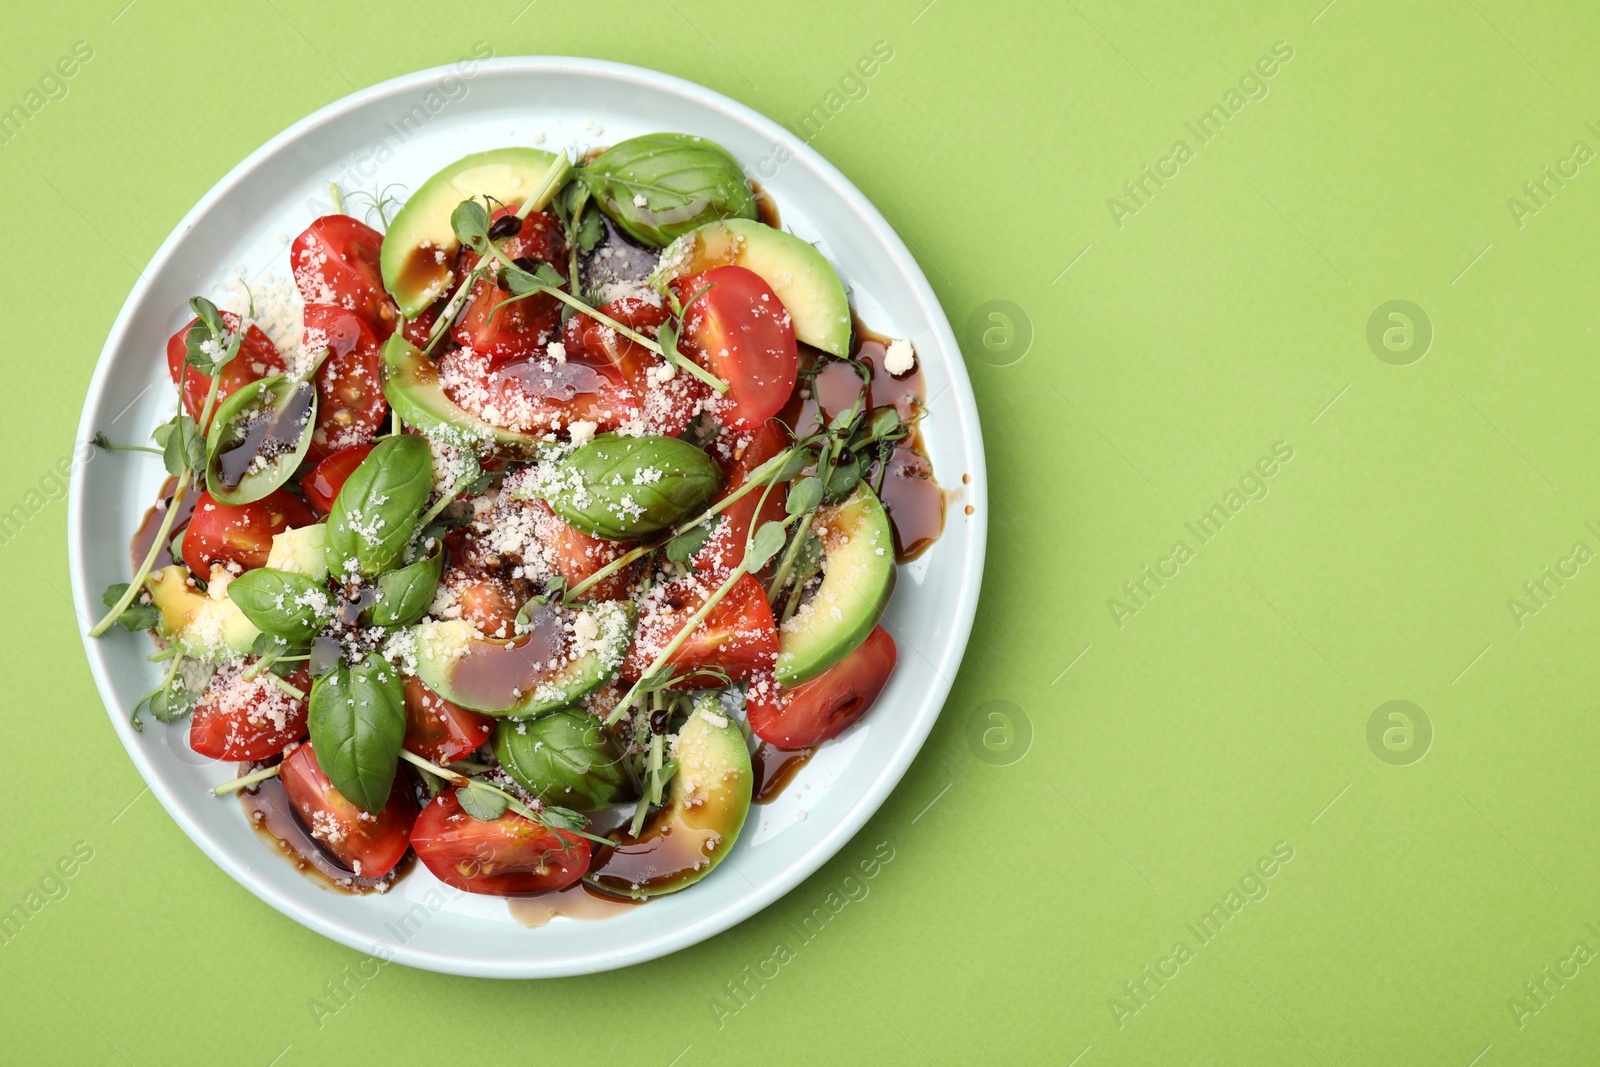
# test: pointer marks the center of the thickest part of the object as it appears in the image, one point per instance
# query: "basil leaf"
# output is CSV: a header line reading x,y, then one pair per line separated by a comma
x,y
563,758
804,496
135,616
404,595
358,720
624,488
286,605
378,507
480,801
662,185
259,437
683,547
766,543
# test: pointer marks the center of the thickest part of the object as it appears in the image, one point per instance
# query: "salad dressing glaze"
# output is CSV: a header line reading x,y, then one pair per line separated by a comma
x,y
145,535
775,768
268,811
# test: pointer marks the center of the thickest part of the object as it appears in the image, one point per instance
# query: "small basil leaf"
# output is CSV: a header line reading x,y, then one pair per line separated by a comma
x,y
259,437
480,801
290,606
377,509
766,543
135,616
683,547
662,185
358,721
804,496
404,595
623,488
564,758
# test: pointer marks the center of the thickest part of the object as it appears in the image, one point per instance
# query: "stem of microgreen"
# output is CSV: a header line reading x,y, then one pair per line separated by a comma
x,y
160,542
441,325
101,442
651,795
337,197
286,687
245,781
511,800
163,654
554,179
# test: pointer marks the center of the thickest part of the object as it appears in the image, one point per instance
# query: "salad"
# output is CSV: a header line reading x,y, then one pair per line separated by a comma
x,y
556,536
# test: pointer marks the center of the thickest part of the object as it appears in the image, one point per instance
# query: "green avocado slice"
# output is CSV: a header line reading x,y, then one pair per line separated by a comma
x,y
198,625
419,251
411,385
690,834
516,678
857,578
804,282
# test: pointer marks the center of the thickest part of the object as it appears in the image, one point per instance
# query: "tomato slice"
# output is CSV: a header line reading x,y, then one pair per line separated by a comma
x,y
739,455
739,637
506,857
575,555
667,404
438,730
522,329
257,358
367,845
350,401
535,395
242,719
739,331
822,708
240,534
322,485
336,261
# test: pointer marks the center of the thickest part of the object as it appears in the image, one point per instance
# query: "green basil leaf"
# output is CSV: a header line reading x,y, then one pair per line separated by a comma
x,y
404,595
377,509
804,496
358,721
766,543
287,605
624,488
662,185
259,437
480,801
564,758
135,616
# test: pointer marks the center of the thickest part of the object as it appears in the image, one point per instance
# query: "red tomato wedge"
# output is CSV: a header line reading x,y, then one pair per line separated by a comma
x,y
537,394
240,534
367,845
667,404
739,637
738,330
242,719
336,261
523,328
822,708
724,551
438,730
322,485
575,555
350,401
507,857
257,358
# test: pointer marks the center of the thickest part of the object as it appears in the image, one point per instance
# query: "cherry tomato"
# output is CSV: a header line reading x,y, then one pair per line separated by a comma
x,y
419,329
336,261
536,395
521,329
819,709
257,358
739,637
242,534
505,857
242,719
739,331
322,485
725,549
437,730
667,405
575,555
488,601
367,845
350,401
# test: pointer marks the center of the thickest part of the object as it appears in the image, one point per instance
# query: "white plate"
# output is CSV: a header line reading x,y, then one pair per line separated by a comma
x,y
402,131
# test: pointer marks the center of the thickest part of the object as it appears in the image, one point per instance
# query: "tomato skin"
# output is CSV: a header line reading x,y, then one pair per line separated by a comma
x,y
236,717
521,329
739,331
350,401
438,730
257,358
739,637
725,550
535,394
575,555
667,406
368,845
825,706
242,534
509,856
336,261
322,485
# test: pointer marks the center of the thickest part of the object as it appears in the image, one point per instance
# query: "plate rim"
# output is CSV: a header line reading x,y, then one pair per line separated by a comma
x,y
802,864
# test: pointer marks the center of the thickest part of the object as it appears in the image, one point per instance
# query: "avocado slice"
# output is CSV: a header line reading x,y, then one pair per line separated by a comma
x,y
690,834
411,385
199,626
807,286
299,551
419,251
857,578
513,678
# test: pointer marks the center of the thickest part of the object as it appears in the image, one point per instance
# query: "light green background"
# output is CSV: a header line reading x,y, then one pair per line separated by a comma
x,y
1228,715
